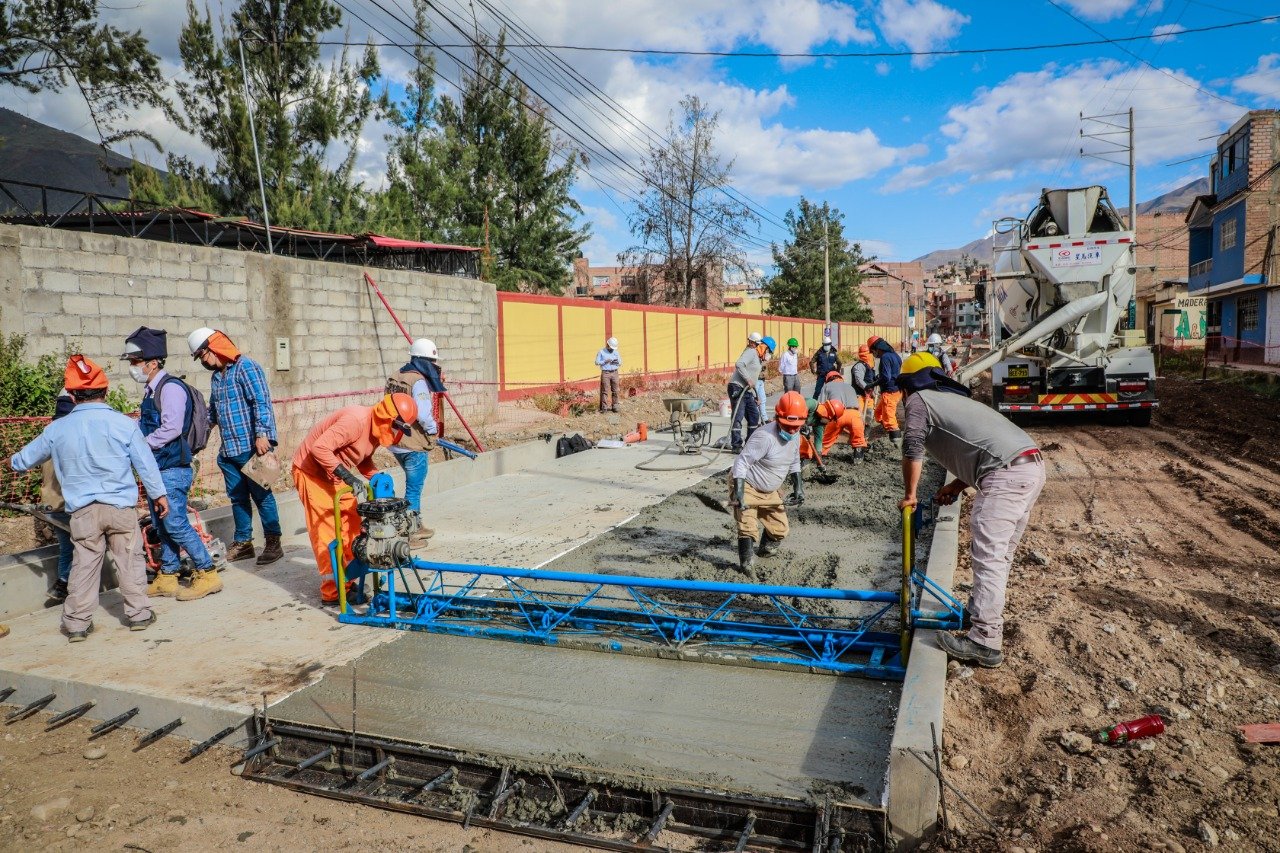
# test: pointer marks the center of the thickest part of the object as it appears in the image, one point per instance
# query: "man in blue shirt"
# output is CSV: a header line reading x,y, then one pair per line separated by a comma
x,y
609,360
95,451
240,406
166,415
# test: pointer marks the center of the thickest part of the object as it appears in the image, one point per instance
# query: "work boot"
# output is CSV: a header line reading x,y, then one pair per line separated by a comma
x,y
80,636
164,586
203,582
747,555
270,552
242,551
895,436
768,545
59,591
859,455
143,624
963,649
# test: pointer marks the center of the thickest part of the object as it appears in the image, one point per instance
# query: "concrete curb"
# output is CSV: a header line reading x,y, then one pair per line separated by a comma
x,y
25,578
912,791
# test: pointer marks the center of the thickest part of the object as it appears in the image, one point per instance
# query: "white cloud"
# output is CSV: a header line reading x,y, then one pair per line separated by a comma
x,y
1263,80
1030,122
1167,32
1015,203
1105,10
873,248
882,68
919,24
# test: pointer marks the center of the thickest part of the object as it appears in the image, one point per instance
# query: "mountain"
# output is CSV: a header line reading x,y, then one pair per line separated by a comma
x,y
39,154
1173,201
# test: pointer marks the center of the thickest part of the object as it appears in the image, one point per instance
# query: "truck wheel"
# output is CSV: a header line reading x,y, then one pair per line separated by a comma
x,y
1140,417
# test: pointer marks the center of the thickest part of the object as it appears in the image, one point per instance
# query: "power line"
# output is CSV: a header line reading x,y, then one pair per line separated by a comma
x,y
874,54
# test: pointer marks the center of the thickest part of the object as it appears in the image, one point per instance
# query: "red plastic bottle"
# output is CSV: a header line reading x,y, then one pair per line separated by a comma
x,y
1148,726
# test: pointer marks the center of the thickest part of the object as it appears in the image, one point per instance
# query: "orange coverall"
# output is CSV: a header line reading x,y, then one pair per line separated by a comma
x,y
887,410
348,438
850,422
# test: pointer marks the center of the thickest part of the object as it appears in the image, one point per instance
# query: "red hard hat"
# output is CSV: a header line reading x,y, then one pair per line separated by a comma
x,y
792,410
834,374
871,341
406,411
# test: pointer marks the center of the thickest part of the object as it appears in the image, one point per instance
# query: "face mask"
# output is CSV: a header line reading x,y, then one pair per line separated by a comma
x,y
138,374
786,435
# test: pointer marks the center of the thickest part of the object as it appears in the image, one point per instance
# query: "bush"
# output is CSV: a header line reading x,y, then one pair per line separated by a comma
x,y
684,385
565,398
27,389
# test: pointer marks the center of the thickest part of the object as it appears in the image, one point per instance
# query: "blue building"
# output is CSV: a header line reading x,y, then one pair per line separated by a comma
x,y
1232,237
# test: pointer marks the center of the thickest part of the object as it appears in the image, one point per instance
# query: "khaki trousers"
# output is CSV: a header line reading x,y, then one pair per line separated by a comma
x,y
765,506
609,386
997,521
95,530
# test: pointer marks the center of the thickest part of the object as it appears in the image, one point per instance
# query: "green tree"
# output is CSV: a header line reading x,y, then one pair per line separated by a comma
x,y
308,116
796,290
687,225
485,168
49,45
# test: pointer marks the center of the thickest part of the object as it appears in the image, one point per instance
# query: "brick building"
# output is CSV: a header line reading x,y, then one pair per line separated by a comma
x,y
895,292
643,285
1231,237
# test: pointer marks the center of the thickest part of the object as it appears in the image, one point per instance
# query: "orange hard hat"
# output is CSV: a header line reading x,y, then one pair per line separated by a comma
x,y
792,410
834,374
83,375
406,411
871,341
864,349
831,410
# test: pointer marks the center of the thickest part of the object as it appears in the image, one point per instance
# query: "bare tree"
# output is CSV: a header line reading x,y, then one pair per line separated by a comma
x,y
687,227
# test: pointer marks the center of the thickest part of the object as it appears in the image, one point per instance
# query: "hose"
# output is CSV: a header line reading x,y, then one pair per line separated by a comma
x,y
647,464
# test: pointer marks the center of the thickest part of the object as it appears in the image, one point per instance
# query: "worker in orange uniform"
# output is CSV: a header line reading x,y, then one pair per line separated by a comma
x,y
850,420
821,415
887,382
339,450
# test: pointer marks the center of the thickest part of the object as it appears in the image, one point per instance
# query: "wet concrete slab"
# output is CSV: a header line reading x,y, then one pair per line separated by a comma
x,y
737,729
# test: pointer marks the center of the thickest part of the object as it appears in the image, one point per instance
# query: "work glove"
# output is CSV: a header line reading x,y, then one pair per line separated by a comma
x,y
358,484
797,490
738,498
806,431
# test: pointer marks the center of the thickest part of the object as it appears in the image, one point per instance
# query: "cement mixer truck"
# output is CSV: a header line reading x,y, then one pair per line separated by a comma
x,y
1063,279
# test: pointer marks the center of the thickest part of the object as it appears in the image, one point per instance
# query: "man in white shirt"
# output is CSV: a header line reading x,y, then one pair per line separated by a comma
x,y
609,360
789,367
770,456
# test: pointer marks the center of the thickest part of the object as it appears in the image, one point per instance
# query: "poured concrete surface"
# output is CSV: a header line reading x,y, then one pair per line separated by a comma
x,y
684,724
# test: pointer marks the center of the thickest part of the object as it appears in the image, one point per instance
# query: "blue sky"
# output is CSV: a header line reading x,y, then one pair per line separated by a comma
x,y
919,153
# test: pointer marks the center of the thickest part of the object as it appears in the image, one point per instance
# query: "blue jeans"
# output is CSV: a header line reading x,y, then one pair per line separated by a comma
x,y
65,546
415,475
175,528
244,493
745,407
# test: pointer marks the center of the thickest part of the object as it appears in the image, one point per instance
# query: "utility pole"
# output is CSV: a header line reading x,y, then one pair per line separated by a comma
x,y
1112,128
257,159
1133,180
826,269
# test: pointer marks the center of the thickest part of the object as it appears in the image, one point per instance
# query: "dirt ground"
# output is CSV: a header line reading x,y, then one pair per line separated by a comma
x,y
1146,584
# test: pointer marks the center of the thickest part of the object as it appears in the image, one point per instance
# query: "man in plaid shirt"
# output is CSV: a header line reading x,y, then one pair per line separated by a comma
x,y
240,406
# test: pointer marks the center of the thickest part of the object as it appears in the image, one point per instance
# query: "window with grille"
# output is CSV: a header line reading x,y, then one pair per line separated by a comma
x,y
1227,234
1247,312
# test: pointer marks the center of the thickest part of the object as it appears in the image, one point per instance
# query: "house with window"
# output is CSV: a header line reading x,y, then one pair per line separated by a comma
x,y
1231,236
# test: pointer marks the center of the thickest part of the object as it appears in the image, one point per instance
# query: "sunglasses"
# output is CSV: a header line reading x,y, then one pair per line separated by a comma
x,y
399,424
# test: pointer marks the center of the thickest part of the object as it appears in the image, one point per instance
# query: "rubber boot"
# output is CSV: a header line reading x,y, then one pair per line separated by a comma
x,y
270,552
240,551
164,586
859,455
895,436
203,583
747,555
768,545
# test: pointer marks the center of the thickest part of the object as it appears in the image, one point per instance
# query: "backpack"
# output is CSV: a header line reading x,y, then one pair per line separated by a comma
x,y
568,445
197,435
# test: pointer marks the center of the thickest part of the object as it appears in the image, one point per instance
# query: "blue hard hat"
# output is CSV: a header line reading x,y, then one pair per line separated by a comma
x,y
770,343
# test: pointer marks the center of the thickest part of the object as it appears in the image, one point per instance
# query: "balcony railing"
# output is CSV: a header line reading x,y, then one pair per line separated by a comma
x,y
1202,268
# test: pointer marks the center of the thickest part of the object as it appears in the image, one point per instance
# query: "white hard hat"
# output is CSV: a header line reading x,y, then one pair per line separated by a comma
x,y
755,337
612,343
935,338
424,348
826,340
197,339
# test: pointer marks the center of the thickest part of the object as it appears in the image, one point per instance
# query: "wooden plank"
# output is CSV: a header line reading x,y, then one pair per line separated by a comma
x,y
1261,732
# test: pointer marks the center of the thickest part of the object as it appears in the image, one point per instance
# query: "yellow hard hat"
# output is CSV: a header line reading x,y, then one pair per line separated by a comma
x,y
918,361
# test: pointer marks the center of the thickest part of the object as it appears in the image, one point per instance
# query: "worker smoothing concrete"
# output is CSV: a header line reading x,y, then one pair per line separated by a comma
x,y
419,378
850,420
609,360
339,450
984,450
821,416
770,456
95,451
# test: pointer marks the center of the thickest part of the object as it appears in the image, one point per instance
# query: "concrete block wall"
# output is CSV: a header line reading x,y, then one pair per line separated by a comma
x,y
70,289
